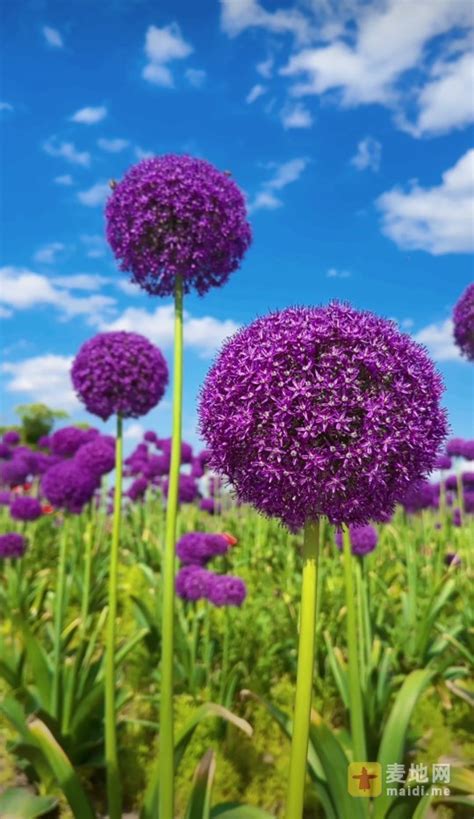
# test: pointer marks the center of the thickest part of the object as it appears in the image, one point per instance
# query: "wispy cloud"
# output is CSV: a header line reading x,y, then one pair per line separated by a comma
x,y
94,245
113,146
89,115
438,338
95,195
64,179
255,92
45,378
296,116
195,77
334,273
48,253
67,151
53,37
368,154
238,15
283,174
163,46
81,281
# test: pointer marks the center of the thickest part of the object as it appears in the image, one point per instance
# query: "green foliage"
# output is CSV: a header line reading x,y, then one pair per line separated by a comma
x,y
37,420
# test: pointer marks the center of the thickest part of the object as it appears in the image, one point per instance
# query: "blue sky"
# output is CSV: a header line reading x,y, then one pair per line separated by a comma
x,y
347,124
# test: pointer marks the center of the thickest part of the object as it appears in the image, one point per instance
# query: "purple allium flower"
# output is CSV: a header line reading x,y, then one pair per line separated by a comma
x,y
188,489
137,489
66,441
69,486
156,466
177,216
5,452
469,502
454,447
420,495
443,462
12,545
25,508
363,539
11,437
45,462
468,450
200,547
463,318
150,436
44,441
451,558
457,517
186,450
451,483
197,470
119,373
14,472
5,498
208,505
322,411
98,456
468,479
192,582
226,590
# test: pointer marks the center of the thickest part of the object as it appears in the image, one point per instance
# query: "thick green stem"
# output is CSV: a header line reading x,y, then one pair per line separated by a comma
x,y
304,678
355,696
58,623
166,799
114,796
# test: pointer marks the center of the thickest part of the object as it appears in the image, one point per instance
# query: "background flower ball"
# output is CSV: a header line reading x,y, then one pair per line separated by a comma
x,y
12,544
25,508
69,486
463,319
119,373
175,215
322,411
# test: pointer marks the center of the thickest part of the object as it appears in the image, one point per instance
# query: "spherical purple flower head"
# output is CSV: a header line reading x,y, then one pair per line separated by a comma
x,y
455,447
5,452
420,495
98,456
12,545
322,411
468,450
69,486
463,318
188,489
11,437
14,472
469,502
192,582
45,462
119,373
156,466
443,462
451,483
66,441
226,590
150,436
44,442
137,489
186,450
196,469
208,505
363,539
177,216
200,547
457,518
468,479
5,498
25,508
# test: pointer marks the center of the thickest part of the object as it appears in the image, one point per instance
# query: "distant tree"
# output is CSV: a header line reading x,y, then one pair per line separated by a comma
x,y
37,420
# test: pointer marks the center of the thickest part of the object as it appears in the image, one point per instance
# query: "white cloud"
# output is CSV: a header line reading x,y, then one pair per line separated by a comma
x,y
53,37
113,146
68,151
65,180
95,195
255,92
386,40
265,200
204,335
94,244
446,102
45,378
284,174
265,68
296,116
81,281
195,77
333,273
238,15
5,312
141,153
162,46
48,254
129,288
5,106
134,432
22,289
368,154
89,115
438,338
439,219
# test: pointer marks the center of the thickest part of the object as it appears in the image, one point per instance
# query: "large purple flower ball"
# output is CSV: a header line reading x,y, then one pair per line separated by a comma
x,y
322,411
177,216
463,319
25,508
12,545
66,441
98,456
119,373
69,486
363,539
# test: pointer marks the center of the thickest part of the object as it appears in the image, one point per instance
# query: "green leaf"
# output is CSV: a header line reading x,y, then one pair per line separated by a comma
x,y
63,771
235,811
200,800
18,803
395,731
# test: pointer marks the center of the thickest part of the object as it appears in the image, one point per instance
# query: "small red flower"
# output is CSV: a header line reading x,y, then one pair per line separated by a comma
x,y
231,540
47,509
27,487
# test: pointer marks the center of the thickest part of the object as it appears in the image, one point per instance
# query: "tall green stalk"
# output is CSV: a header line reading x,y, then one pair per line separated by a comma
x,y
58,622
166,797
355,695
114,795
304,678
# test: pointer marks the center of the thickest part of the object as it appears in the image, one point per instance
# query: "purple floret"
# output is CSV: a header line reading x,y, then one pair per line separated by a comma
x,y
455,447
469,502
188,490
200,547
186,450
65,442
98,456
322,411
468,450
363,539
5,452
421,495
14,472
463,320
12,545
69,486
5,498
225,590
468,479
443,462
137,489
208,505
177,216
119,373
25,508
150,436
11,437
192,582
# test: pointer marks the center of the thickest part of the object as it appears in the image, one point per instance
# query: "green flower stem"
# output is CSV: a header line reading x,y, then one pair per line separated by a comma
x,y
58,622
304,679
166,799
114,796
86,588
355,696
